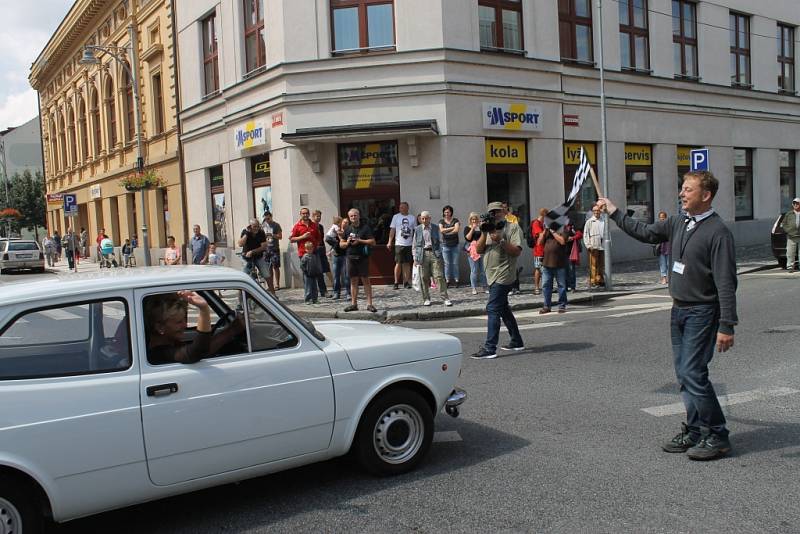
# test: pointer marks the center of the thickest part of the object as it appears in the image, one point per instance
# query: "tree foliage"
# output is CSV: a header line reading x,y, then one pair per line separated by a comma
x,y
26,193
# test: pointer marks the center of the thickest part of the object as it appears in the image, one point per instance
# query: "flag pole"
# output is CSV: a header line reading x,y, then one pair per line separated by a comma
x,y
596,182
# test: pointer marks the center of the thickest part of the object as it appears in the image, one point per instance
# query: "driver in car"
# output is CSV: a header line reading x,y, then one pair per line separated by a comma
x,y
165,321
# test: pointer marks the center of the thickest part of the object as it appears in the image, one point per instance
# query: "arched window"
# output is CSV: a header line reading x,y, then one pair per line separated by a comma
x,y
62,141
129,109
82,129
53,146
95,111
111,114
73,142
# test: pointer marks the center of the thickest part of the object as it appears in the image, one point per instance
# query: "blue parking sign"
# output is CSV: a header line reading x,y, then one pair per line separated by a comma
x,y
70,205
698,159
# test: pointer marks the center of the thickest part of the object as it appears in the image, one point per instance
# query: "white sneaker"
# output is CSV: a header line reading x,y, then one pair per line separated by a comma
x,y
426,303
448,303
474,291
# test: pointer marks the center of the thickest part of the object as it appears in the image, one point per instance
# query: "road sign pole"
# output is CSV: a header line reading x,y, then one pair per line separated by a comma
x,y
72,238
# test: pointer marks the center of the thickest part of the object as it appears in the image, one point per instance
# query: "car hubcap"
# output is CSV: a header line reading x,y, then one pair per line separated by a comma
x,y
398,434
10,520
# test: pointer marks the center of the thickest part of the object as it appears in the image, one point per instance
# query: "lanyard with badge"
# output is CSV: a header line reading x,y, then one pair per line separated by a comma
x,y
678,266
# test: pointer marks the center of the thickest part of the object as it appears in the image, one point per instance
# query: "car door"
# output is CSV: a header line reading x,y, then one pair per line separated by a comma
x,y
270,399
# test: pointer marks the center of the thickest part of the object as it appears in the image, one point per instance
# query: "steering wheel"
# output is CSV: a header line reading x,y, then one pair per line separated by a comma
x,y
225,320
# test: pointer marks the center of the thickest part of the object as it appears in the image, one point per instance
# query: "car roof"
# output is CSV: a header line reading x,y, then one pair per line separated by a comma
x,y
89,283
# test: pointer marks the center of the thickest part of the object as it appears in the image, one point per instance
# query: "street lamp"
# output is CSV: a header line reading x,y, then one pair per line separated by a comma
x,y
119,53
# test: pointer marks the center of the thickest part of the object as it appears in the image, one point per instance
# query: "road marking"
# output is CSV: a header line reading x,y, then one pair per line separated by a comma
x,y
479,329
724,400
446,436
640,297
778,274
640,312
596,309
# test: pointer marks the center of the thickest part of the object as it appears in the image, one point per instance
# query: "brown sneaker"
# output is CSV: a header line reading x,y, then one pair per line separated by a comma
x,y
544,310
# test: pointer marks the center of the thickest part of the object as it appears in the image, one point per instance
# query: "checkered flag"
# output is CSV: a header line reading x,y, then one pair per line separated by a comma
x,y
557,217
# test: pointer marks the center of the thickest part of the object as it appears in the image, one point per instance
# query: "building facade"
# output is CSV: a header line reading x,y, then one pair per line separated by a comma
x,y
88,117
340,103
22,148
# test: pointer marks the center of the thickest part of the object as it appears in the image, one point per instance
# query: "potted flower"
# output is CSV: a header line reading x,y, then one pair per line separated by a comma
x,y
138,181
10,213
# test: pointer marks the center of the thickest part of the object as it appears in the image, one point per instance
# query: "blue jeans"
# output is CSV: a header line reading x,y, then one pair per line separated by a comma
x,y
560,274
694,336
498,309
450,254
340,276
477,274
572,275
310,287
663,264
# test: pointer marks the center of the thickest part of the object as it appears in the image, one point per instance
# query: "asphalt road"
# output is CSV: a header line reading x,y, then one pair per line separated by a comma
x,y
557,439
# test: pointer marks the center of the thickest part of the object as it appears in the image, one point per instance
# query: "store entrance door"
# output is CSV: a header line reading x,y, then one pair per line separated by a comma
x,y
369,180
507,176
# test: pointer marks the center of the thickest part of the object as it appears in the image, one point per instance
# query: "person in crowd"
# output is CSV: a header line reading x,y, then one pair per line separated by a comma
x,y
272,254
338,258
791,225
134,246
400,237
253,241
312,270
84,242
70,244
428,253
501,248
703,288
200,246
509,214
107,252
537,229
304,230
477,274
49,249
127,251
58,245
356,239
322,254
593,232
554,266
165,327
574,240
215,257
172,254
663,251
450,228
100,236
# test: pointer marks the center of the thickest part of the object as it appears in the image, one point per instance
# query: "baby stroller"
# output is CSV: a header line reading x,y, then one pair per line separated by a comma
x,y
107,258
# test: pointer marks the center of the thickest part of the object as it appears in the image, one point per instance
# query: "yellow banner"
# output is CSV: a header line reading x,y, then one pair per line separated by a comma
x,y
638,155
506,151
370,158
572,153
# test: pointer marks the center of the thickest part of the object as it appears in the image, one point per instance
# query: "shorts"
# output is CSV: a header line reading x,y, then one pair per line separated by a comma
x,y
273,257
402,254
358,266
537,262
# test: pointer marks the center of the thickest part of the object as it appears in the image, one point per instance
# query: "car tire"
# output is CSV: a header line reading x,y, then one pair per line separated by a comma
x,y
18,508
395,433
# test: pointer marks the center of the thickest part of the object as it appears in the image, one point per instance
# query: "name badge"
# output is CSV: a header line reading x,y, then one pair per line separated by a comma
x,y
678,267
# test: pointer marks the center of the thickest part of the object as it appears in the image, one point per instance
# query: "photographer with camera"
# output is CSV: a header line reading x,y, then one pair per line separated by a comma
x,y
357,239
501,244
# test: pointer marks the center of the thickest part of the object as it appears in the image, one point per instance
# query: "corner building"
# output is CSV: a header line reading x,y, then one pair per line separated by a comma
x,y
340,103
88,120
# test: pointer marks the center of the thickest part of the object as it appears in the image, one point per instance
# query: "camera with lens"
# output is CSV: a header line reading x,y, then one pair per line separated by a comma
x,y
489,224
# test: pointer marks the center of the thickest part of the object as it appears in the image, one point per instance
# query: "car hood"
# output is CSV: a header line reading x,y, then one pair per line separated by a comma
x,y
370,344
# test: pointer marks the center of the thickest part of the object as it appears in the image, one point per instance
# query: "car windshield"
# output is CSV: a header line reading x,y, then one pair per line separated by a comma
x,y
22,245
305,322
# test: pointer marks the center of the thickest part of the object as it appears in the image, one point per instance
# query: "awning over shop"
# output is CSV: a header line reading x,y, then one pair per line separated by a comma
x,y
353,132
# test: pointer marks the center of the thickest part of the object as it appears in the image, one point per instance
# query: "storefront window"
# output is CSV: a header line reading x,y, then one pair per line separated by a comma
x,y
639,182
507,177
369,165
587,196
262,184
743,182
218,205
787,159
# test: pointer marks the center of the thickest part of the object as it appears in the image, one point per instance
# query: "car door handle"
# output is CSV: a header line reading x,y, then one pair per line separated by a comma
x,y
162,389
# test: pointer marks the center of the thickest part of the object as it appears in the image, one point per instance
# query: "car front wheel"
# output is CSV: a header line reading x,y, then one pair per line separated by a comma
x,y
17,510
395,433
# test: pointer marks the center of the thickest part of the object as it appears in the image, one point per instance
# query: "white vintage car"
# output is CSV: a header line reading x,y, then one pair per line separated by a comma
x,y
97,411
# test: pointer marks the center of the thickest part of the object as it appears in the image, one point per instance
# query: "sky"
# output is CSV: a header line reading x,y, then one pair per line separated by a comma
x,y
27,26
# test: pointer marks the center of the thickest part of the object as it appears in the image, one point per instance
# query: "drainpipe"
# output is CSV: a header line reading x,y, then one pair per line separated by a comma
x,y
181,169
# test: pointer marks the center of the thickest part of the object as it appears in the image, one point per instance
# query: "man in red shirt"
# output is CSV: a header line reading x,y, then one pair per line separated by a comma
x,y
537,227
305,230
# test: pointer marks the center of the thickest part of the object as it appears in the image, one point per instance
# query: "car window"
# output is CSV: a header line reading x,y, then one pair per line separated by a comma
x,y
237,324
22,245
82,338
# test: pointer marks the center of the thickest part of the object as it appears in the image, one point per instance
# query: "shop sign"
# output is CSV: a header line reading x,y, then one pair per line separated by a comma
x,y
572,120
572,153
638,155
506,151
94,191
368,154
277,119
249,135
261,166
56,199
515,116
683,156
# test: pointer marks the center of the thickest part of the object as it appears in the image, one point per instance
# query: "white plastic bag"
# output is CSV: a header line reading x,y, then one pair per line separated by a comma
x,y
416,278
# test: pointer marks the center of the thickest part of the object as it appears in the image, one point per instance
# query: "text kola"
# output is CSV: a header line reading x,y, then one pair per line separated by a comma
x,y
507,151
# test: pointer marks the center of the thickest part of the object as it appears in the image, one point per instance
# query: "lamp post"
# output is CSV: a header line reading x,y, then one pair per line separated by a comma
x,y
604,141
5,181
118,53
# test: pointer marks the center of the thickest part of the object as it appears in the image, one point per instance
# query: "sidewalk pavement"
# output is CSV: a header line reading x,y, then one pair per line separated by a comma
x,y
406,304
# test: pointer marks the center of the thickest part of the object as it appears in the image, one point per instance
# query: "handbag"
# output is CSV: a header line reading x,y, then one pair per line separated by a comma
x,y
415,278
575,253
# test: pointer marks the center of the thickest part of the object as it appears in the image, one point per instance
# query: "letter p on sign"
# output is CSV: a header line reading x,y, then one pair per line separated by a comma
x,y
698,159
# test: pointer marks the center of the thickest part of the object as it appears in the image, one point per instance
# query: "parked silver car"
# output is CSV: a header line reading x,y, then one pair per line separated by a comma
x,y
20,254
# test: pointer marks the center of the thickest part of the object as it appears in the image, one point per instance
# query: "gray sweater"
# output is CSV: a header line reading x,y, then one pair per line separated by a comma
x,y
709,257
